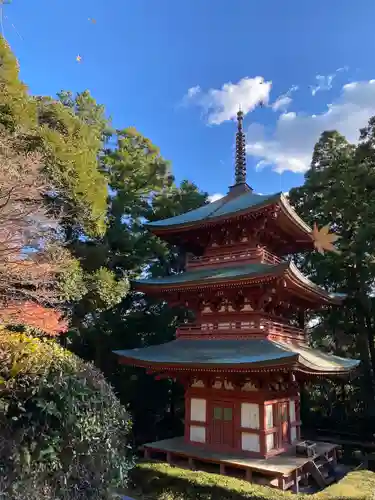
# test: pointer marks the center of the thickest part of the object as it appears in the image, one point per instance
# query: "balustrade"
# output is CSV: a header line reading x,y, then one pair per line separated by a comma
x,y
259,327
233,257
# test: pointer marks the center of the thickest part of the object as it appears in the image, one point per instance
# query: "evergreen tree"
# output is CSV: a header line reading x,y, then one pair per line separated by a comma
x,y
338,191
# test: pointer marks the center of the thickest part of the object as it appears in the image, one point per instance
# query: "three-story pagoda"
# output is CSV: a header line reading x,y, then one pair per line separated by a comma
x,y
243,358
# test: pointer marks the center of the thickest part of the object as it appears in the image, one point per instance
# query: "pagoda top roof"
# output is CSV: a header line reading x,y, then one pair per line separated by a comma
x,y
226,207
243,355
246,274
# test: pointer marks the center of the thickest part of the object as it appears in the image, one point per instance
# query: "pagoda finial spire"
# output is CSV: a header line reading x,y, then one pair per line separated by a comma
x,y
240,167
240,185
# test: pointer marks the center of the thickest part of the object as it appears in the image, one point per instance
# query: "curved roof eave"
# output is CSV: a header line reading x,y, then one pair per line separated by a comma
x,y
333,298
231,275
228,207
292,214
245,355
218,276
312,360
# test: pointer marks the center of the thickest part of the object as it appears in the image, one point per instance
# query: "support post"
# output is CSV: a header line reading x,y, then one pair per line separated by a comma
x,y
281,483
249,475
334,457
296,481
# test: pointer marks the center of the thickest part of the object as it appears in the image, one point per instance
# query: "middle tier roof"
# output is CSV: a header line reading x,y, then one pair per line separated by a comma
x,y
246,275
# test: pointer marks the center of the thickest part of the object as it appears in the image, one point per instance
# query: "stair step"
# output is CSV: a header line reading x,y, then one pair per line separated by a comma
x,y
320,463
312,468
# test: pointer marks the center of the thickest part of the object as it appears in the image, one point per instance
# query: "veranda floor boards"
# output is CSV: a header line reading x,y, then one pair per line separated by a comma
x,y
284,464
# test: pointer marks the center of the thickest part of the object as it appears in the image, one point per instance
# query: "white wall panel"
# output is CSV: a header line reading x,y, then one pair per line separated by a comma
x,y
293,434
292,410
270,442
197,434
250,415
269,416
198,410
250,442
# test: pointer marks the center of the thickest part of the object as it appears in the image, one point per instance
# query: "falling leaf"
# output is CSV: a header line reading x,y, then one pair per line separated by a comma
x,y
324,240
78,58
93,21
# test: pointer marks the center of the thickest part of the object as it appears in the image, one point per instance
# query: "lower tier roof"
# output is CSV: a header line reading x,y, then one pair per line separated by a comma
x,y
242,355
241,275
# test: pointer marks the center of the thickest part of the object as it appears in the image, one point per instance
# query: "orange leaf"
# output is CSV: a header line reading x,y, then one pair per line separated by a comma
x,y
324,240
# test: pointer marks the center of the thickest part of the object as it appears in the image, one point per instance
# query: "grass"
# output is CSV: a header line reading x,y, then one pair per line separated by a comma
x,y
159,481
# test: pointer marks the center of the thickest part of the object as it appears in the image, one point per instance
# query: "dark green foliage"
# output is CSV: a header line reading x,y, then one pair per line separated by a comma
x,y
338,190
141,188
71,146
63,433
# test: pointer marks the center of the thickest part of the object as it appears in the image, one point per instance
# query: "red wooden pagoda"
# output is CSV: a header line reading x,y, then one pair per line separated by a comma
x,y
245,355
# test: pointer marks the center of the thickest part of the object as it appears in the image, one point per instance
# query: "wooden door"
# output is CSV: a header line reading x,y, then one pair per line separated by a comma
x,y
222,425
283,423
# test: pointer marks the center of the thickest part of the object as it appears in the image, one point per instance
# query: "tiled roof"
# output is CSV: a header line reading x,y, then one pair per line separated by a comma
x,y
252,353
219,208
216,274
227,274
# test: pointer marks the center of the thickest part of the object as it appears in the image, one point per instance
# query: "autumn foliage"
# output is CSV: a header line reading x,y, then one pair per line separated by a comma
x,y
28,266
49,320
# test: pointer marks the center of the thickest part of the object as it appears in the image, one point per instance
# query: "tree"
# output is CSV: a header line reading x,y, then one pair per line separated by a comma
x,y
17,110
65,133
142,188
70,149
338,191
68,144
104,184
30,263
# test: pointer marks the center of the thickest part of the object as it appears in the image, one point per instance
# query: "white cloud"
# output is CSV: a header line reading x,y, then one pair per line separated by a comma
x,y
193,91
290,146
191,94
222,104
344,68
323,83
282,103
284,100
215,197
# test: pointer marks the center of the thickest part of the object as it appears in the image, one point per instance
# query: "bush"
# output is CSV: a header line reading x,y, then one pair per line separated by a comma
x,y
157,481
63,433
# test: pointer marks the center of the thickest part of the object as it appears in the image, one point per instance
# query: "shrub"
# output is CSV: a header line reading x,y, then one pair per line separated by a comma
x,y
63,433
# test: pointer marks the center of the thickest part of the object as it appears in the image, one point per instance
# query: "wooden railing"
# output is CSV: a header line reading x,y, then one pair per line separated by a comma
x,y
246,327
233,257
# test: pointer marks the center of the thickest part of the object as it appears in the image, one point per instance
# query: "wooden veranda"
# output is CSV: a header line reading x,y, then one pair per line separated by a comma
x,y
283,471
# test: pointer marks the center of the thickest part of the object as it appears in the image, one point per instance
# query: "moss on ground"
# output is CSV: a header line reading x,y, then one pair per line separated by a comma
x,y
158,481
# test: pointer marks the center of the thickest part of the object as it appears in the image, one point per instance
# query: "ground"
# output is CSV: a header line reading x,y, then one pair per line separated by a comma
x,y
159,481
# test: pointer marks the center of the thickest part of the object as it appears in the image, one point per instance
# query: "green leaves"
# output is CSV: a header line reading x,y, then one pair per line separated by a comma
x,y
60,423
104,285
338,190
71,147
17,111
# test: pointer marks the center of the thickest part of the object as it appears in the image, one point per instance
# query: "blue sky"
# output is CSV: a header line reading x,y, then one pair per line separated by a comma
x,y
141,58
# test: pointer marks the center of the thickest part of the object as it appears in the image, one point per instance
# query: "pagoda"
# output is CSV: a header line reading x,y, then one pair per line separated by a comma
x,y
244,357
